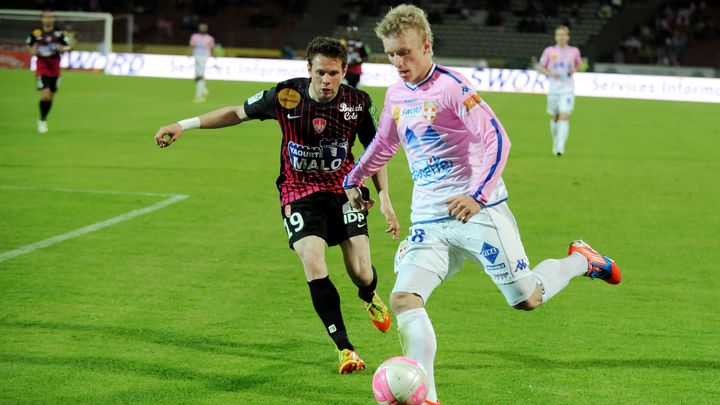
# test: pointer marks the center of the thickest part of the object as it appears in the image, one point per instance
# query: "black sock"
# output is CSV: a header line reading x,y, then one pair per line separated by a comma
x,y
44,109
326,301
366,293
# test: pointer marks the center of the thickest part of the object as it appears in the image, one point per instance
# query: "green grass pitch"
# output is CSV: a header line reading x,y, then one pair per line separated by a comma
x,y
202,302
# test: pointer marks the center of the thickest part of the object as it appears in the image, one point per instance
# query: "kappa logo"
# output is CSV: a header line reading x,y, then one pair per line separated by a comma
x,y
319,124
489,252
465,90
521,265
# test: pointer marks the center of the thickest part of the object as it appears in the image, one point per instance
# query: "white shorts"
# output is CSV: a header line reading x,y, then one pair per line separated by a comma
x,y
560,103
435,251
200,66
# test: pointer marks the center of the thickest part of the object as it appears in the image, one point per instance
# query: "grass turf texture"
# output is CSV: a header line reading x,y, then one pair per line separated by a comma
x,y
202,302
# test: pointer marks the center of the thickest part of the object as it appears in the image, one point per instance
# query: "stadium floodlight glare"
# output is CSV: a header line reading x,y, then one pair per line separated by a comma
x,y
92,31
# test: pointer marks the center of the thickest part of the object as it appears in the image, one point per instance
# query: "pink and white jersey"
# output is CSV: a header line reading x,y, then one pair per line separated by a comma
x,y
559,60
453,141
202,45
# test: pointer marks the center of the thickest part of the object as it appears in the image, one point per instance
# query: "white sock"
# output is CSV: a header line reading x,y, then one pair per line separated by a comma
x,y
563,129
417,338
553,132
555,274
198,88
203,87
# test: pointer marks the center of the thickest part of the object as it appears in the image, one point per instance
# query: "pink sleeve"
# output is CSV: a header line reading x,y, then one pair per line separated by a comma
x,y
192,40
378,153
578,58
544,59
489,150
211,45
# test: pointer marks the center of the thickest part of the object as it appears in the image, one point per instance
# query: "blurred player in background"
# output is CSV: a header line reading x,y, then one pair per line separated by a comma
x,y
559,62
320,119
358,53
457,150
47,44
202,47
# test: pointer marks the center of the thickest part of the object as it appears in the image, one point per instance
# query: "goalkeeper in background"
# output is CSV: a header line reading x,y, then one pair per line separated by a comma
x,y
47,44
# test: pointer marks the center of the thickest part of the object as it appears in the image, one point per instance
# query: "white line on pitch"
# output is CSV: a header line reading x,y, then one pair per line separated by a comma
x,y
172,199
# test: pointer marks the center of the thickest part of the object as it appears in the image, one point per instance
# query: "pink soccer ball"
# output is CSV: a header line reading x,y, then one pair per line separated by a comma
x,y
400,381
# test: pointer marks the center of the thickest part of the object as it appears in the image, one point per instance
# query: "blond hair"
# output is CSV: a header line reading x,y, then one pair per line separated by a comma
x,y
401,18
564,28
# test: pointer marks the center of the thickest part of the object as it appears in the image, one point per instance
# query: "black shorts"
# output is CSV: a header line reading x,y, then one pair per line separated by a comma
x,y
46,82
326,215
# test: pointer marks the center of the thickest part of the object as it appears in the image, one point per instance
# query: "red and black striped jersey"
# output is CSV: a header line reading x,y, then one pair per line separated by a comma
x,y
47,44
317,142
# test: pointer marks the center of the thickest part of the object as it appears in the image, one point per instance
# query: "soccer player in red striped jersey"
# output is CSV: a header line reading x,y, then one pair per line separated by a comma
x,y
320,119
47,44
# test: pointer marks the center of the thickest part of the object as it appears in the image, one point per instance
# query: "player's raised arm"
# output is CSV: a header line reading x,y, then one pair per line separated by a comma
x,y
224,117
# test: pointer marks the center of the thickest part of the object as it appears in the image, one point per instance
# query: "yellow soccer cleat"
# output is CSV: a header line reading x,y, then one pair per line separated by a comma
x,y
349,362
379,314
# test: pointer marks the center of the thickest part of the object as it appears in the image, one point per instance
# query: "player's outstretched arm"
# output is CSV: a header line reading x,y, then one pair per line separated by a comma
x,y
224,117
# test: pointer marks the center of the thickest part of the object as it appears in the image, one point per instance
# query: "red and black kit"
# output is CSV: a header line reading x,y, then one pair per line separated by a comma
x,y
47,44
315,156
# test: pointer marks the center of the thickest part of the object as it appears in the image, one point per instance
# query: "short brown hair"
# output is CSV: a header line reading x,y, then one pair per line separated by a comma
x,y
327,47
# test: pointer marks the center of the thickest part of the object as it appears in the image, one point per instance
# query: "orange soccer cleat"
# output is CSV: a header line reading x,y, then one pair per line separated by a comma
x,y
599,266
349,362
379,313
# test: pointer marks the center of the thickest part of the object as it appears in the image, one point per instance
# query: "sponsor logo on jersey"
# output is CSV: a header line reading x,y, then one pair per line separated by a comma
x,y
411,112
428,171
472,101
351,108
498,266
255,98
350,111
489,252
354,217
289,98
328,157
319,124
429,111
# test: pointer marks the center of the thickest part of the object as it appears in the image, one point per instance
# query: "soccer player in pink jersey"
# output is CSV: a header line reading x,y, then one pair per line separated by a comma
x,y
202,47
457,150
559,62
320,120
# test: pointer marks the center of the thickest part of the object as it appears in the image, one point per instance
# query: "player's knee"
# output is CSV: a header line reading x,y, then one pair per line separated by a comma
x,y
564,116
404,301
528,305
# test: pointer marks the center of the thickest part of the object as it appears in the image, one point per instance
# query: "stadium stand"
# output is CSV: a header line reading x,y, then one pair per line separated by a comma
x,y
677,33
508,34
